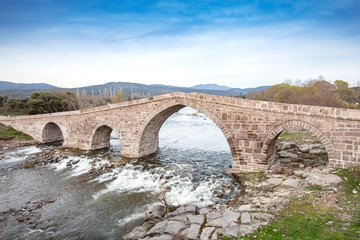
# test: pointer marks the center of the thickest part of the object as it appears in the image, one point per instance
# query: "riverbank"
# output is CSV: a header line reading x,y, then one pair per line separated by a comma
x,y
307,204
10,138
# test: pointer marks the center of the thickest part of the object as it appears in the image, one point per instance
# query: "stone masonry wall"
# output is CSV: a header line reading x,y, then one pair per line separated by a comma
x,y
250,127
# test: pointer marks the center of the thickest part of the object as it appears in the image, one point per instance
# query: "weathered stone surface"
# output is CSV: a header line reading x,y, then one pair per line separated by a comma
x,y
157,211
174,227
287,155
232,231
197,219
323,180
217,222
318,151
192,232
161,237
245,229
186,209
271,183
245,218
180,218
206,233
213,215
230,216
288,184
204,211
136,233
158,228
262,216
300,173
245,207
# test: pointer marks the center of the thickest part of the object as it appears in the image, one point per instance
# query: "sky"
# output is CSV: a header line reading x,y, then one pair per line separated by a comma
x,y
74,43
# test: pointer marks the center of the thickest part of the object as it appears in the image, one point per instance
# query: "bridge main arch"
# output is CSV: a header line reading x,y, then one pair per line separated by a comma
x,y
147,139
269,145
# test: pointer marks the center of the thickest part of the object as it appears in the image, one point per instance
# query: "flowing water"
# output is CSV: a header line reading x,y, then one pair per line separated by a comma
x,y
189,166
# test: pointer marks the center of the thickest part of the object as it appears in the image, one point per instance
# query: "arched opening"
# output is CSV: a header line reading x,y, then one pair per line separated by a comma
x,y
296,144
147,141
194,151
105,137
52,133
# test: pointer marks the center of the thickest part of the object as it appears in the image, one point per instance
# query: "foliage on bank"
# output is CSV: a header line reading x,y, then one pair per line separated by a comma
x,y
39,102
10,133
317,92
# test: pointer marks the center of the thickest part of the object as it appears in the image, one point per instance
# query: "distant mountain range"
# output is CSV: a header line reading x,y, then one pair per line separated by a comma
x,y
107,89
4,86
211,87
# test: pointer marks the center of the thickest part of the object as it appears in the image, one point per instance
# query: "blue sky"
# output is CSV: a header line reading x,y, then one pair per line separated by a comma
x,y
234,43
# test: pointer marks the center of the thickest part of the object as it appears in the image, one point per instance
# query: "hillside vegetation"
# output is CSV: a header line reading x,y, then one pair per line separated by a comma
x,y
39,102
314,92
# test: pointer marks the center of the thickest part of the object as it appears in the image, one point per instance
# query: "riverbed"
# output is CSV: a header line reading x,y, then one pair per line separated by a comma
x,y
189,168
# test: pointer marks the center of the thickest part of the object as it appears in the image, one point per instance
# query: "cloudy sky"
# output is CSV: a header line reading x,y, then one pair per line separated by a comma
x,y
239,43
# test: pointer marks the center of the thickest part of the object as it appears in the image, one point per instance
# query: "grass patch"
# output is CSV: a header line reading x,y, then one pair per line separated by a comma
x,y
10,133
308,218
315,188
29,164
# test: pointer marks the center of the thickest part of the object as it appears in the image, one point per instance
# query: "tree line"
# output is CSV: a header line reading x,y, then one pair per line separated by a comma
x,y
39,102
317,92
55,101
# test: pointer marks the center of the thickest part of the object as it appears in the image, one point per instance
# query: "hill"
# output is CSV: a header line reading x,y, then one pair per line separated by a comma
x,y
110,88
211,87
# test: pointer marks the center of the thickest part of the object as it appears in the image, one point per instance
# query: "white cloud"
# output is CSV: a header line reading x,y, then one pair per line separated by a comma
x,y
235,57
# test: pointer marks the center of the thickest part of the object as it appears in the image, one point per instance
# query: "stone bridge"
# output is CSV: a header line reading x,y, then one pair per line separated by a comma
x,y
250,127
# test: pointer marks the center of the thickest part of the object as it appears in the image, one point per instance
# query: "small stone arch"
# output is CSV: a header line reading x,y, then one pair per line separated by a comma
x,y
269,145
147,140
100,137
52,133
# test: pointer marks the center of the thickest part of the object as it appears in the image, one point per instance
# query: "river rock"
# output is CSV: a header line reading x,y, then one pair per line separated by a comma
x,y
137,233
287,185
189,209
231,216
197,219
204,211
271,183
174,227
192,232
245,229
322,180
213,215
157,211
159,228
262,216
217,222
180,218
246,207
206,233
245,218
287,155
318,151
232,231
290,145
305,148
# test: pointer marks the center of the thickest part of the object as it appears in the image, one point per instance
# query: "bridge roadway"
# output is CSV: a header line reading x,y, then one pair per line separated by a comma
x,y
250,127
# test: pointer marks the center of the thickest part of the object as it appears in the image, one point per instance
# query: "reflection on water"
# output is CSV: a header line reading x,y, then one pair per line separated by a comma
x,y
189,166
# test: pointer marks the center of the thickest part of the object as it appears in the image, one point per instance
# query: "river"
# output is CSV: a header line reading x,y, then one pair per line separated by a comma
x,y
189,166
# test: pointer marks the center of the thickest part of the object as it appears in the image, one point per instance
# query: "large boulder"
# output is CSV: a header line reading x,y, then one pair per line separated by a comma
x,y
322,179
287,185
271,183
